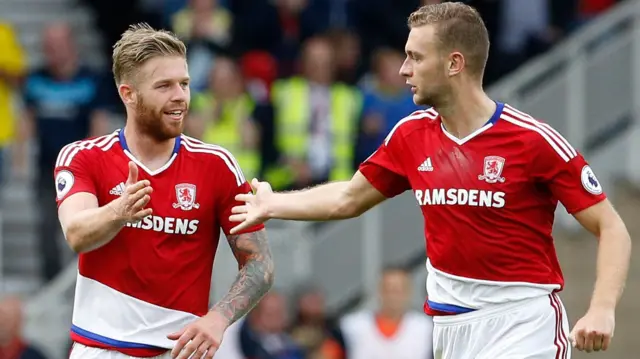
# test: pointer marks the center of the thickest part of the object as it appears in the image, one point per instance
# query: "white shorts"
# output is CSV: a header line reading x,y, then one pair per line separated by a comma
x,y
530,329
80,351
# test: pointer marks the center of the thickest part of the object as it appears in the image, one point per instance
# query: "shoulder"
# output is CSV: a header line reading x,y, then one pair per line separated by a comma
x,y
355,319
34,77
537,134
213,155
421,119
86,149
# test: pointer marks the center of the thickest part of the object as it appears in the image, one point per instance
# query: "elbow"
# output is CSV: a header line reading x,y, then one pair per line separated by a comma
x,y
74,240
74,243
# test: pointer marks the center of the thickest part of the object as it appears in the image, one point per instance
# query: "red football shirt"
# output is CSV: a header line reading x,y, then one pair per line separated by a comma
x,y
488,201
154,277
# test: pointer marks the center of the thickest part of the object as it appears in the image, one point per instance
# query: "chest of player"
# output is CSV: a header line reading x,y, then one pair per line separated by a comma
x,y
476,173
182,202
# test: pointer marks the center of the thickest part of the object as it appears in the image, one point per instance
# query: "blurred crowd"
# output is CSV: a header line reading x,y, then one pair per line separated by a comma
x,y
300,91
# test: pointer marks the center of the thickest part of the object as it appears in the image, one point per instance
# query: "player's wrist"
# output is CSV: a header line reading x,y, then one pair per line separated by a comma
x,y
217,316
271,205
602,305
113,215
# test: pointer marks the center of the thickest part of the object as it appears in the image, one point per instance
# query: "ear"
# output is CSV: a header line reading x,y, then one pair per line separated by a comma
x,y
127,94
456,63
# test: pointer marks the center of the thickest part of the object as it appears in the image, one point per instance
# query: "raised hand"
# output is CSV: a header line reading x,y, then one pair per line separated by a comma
x,y
254,210
130,206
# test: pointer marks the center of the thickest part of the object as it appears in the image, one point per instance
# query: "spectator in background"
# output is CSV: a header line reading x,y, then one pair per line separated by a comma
x,y
211,21
387,99
312,329
279,26
62,107
206,27
263,335
347,50
12,344
393,331
224,115
315,122
12,70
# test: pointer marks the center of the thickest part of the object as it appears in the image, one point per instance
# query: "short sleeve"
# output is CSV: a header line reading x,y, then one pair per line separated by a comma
x,y
383,170
73,172
567,174
233,183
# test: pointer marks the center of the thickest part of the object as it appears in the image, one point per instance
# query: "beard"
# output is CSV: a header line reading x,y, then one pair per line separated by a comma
x,y
150,121
435,96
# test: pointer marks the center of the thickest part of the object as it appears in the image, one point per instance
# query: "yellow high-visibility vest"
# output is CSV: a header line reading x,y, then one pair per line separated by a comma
x,y
226,130
291,103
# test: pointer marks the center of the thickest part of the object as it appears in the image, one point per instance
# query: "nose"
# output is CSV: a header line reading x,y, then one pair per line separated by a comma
x,y
405,69
180,93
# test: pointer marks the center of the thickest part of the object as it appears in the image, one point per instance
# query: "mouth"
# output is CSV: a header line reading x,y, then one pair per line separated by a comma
x,y
176,115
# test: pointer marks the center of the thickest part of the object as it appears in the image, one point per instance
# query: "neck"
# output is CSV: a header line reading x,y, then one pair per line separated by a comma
x,y
151,152
466,111
390,315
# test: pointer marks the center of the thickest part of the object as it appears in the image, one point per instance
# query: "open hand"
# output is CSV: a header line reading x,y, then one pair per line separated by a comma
x,y
254,211
200,339
130,206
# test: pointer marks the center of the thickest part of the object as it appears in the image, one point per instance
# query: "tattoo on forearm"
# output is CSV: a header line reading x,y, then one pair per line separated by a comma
x,y
254,279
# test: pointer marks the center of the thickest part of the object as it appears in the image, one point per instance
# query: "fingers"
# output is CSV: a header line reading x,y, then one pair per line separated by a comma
x,y
175,336
140,203
606,342
183,340
136,186
133,173
241,217
244,197
195,348
590,340
254,184
240,209
238,228
142,214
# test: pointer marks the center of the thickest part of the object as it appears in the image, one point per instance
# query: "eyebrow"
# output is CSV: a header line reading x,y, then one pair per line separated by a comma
x,y
165,80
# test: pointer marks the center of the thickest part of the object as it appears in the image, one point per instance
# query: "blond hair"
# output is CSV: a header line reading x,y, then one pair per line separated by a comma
x,y
458,27
139,44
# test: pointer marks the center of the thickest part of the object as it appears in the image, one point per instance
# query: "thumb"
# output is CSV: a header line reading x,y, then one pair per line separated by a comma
x,y
133,173
254,184
176,335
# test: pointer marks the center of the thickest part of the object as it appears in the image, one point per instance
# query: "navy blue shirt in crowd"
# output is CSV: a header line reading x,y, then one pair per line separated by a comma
x,y
62,110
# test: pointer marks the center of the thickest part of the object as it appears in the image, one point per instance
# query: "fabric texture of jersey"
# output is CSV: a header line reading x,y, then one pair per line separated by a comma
x,y
488,201
154,277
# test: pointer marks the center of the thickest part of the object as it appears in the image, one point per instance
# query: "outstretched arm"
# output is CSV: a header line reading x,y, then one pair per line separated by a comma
x,y
254,279
335,200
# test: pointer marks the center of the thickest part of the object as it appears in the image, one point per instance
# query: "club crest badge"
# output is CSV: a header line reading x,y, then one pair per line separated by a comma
x,y
492,170
186,197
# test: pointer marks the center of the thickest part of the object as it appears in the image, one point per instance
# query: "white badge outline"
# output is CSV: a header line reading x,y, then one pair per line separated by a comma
x,y
70,180
584,178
